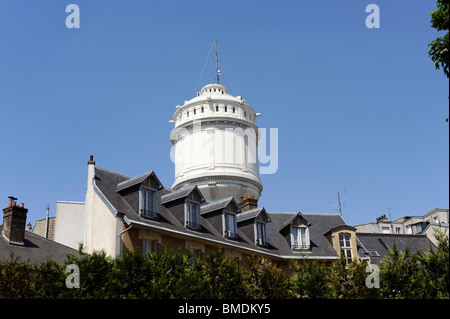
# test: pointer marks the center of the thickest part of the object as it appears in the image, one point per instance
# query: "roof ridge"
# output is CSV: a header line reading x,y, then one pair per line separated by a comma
x,y
105,169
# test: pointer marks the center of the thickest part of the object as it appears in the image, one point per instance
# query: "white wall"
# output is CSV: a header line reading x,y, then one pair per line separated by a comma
x,y
69,223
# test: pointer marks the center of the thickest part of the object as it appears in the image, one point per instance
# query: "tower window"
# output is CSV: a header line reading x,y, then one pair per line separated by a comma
x,y
187,113
234,110
226,108
195,111
203,109
217,108
245,114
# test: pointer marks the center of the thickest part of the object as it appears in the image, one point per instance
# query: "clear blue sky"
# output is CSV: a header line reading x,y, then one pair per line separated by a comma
x,y
355,107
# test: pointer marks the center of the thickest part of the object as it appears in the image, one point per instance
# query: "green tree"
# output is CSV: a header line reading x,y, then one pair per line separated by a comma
x,y
310,280
439,47
47,280
224,279
266,280
15,278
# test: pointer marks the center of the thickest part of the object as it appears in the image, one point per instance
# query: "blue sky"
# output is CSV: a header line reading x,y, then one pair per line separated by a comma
x,y
356,108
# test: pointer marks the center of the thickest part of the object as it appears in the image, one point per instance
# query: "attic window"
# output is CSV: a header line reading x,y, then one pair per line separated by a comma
x,y
261,233
346,248
149,202
192,212
300,236
374,253
230,226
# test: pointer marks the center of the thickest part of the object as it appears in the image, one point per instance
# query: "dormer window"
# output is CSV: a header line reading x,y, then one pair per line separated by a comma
x,y
299,235
192,215
296,231
346,248
230,226
149,200
148,204
261,233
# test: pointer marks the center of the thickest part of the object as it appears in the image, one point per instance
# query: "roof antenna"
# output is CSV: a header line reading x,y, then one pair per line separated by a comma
x,y
217,62
338,191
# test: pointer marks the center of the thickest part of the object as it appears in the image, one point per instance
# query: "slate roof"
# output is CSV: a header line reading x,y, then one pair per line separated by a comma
x,y
107,183
220,204
179,193
252,213
136,180
321,247
381,243
35,249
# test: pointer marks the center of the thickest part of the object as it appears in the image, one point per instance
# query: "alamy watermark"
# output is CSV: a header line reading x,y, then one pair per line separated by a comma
x,y
73,279
230,145
373,280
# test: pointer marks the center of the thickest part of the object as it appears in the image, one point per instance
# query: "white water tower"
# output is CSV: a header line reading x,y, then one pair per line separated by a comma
x,y
215,145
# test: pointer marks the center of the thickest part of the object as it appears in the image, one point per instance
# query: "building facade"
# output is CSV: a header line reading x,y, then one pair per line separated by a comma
x,y
435,219
213,202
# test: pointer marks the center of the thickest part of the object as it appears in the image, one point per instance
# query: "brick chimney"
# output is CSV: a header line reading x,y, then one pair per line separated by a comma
x,y
14,222
248,203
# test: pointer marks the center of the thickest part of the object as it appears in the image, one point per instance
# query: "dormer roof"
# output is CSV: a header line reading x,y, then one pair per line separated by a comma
x,y
138,180
181,193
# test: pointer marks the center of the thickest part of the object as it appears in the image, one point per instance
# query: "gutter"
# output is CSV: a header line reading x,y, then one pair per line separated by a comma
x,y
131,222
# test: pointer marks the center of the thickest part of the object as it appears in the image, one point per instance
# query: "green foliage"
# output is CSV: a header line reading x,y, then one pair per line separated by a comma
x,y
172,274
439,48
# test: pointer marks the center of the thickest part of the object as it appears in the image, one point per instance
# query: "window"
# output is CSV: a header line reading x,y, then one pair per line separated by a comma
x,y
374,253
149,246
230,230
195,111
408,229
203,109
299,236
245,114
187,114
234,110
346,248
385,230
192,215
261,237
226,108
148,204
217,108
397,230
436,219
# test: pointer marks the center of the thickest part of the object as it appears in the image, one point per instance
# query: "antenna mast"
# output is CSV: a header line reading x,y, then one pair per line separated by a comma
x,y
339,191
217,62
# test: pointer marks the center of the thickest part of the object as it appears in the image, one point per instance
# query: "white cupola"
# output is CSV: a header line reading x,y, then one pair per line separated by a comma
x,y
215,145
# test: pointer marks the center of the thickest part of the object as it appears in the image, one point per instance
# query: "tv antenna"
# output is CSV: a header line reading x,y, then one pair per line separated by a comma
x,y
217,62
339,192
389,211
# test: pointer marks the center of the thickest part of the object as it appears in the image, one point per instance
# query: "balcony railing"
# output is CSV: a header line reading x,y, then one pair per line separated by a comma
x,y
300,247
193,225
149,214
230,235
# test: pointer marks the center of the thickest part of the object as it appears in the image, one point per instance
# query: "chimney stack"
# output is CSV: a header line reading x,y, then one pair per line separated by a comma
x,y
14,222
248,203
